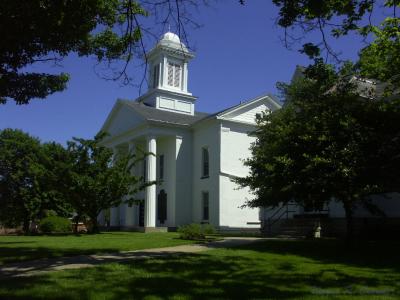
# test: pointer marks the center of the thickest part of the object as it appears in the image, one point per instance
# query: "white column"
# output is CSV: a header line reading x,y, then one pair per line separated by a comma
x,y
150,195
129,211
164,80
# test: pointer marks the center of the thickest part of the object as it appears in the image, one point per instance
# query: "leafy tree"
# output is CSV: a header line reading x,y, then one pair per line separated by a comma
x,y
98,180
31,178
330,18
20,175
41,30
57,162
380,59
113,31
326,143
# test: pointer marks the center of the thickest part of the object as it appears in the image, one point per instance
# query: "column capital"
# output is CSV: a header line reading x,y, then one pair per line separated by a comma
x,y
151,145
151,136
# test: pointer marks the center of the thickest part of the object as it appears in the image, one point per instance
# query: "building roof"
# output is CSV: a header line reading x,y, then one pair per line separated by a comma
x,y
157,115
150,113
273,99
365,87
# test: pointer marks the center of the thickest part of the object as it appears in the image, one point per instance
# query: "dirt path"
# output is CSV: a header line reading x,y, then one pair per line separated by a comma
x,y
36,267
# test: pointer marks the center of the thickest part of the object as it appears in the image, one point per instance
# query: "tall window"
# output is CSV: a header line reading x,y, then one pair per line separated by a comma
x,y
174,75
205,162
161,169
156,75
205,204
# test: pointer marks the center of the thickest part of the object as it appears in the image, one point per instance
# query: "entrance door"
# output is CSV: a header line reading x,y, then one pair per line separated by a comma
x,y
162,207
141,214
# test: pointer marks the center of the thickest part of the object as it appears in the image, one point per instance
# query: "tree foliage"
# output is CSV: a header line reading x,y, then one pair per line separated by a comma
x,y
326,143
98,180
380,59
115,32
331,18
21,172
57,161
40,30
83,179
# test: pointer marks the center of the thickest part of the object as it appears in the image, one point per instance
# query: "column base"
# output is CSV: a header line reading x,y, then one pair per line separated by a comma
x,y
153,229
137,229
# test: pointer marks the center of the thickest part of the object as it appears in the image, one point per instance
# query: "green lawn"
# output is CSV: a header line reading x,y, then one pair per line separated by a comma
x,y
18,248
270,270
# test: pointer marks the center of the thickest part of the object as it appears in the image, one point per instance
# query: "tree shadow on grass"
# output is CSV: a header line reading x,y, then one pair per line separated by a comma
x,y
194,276
16,242
23,254
367,254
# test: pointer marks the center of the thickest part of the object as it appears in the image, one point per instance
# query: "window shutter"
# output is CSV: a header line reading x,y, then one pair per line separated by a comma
x,y
170,74
177,77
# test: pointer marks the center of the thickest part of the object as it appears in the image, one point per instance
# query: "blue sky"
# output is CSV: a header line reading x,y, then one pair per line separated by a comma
x,y
239,55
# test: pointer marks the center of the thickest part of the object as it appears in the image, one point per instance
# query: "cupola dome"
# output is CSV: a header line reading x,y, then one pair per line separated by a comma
x,y
170,36
173,41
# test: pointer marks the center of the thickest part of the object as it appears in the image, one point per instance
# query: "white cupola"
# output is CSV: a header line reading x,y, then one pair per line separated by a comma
x,y
168,76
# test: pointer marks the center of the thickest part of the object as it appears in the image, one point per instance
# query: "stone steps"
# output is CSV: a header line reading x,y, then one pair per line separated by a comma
x,y
293,228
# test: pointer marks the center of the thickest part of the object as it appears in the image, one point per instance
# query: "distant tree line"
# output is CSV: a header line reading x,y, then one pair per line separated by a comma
x,y
78,181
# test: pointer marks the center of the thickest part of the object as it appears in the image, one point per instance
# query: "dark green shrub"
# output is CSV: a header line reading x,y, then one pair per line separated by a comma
x,y
55,224
209,229
191,232
195,231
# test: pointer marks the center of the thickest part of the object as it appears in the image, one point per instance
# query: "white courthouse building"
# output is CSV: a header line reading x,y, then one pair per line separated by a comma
x,y
196,154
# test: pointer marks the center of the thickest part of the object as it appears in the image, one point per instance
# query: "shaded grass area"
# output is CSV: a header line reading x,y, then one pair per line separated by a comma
x,y
273,269
19,248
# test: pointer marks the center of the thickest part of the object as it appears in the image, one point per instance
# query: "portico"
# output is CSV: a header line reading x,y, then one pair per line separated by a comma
x,y
159,153
144,214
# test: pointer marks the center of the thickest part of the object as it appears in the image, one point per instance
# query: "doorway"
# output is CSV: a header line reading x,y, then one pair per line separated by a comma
x,y
162,207
141,214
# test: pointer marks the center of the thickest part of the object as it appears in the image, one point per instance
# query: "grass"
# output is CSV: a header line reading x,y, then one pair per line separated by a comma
x,y
274,269
20,248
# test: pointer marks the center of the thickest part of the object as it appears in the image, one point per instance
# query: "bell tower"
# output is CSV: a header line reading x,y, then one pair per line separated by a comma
x,y
168,76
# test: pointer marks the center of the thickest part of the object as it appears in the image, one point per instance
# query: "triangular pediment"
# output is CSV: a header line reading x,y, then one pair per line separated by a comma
x,y
246,112
121,119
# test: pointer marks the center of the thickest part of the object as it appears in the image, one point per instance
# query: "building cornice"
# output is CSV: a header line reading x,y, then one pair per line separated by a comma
x,y
164,92
177,52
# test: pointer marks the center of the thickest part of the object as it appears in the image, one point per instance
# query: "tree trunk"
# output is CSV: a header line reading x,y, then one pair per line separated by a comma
x,y
76,225
95,225
349,224
25,226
